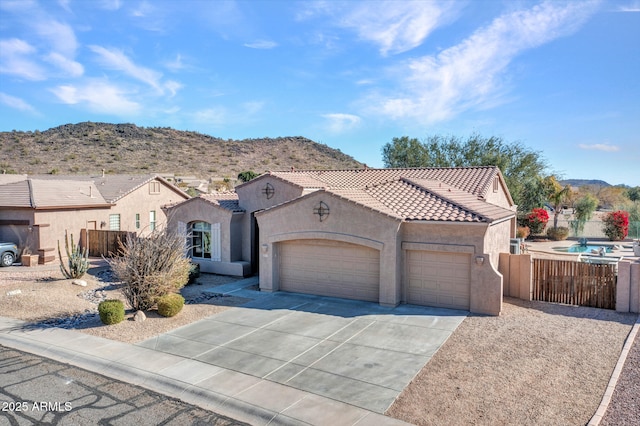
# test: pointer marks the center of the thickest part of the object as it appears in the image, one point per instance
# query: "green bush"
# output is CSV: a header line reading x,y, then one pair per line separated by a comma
x,y
170,304
111,311
558,234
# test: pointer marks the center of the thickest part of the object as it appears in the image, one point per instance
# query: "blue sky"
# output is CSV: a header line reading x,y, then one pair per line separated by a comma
x,y
563,78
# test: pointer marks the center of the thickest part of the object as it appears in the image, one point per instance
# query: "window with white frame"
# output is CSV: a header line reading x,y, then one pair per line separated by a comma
x,y
205,240
114,222
152,220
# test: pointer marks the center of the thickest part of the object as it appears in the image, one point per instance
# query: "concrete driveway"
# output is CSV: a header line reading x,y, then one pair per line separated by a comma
x,y
354,352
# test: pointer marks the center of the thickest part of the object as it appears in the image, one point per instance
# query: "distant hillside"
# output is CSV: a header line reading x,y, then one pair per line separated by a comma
x,y
87,148
581,182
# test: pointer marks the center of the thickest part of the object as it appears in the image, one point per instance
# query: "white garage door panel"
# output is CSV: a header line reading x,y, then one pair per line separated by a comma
x,y
438,279
329,268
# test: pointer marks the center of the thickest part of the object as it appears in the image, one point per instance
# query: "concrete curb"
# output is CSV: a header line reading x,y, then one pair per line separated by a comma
x,y
613,381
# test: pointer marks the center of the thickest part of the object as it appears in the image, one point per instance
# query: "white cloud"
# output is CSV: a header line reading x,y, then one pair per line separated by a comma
x,y
253,107
68,66
175,65
438,87
117,60
214,116
16,103
98,96
16,58
261,44
173,87
599,147
111,4
60,36
633,6
339,123
394,26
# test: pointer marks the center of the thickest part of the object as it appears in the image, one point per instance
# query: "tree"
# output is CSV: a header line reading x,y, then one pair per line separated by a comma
x,y
246,176
583,210
634,193
520,166
616,225
557,195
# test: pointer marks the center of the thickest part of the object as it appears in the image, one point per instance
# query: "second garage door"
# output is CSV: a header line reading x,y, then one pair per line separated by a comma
x,y
330,268
438,279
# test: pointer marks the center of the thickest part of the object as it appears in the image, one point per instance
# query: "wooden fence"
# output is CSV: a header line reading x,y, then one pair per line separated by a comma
x,y
104,243
574,283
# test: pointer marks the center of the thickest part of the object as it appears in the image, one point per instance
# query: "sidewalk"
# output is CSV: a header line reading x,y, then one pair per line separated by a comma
x,y
230,393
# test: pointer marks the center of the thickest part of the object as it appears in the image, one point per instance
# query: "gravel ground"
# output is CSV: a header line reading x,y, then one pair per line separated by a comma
x,y
46,299
624,409
537,363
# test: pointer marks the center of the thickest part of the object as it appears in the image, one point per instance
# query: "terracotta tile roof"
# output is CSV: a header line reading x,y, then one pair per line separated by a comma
x,y
438,194
476,180
64,193
15,194
112,187
226,200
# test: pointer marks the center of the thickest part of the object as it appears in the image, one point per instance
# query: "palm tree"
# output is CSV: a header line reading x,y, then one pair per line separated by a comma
x,y
556,195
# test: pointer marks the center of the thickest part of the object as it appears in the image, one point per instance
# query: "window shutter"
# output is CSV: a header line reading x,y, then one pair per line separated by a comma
x,y
215,242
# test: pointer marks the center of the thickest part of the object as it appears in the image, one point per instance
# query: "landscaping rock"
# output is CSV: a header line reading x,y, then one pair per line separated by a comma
x,y
14,292
139,316
81,283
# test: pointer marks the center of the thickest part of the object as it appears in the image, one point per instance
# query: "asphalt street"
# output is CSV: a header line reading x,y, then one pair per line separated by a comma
x,y
37,390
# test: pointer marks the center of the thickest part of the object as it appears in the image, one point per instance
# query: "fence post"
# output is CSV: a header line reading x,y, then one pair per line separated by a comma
x,y
526,276
503,267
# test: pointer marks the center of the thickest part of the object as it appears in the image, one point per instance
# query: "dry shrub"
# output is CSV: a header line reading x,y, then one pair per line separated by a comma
x,y
151,267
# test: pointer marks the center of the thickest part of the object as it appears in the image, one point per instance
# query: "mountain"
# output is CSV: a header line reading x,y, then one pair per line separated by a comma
x,y
88,148
581,182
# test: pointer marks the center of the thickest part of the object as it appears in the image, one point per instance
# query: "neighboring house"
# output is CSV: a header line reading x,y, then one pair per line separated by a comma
x,y
35,211
427,236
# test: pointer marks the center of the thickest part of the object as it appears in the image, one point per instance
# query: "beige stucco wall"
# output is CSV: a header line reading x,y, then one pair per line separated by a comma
x,y
141,201
252,199
199,210
52,223
346,222
497,240
500,197
19,234
486,282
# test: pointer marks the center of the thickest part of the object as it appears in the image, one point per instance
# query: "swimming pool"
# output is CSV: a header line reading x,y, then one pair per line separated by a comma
x,y
577,248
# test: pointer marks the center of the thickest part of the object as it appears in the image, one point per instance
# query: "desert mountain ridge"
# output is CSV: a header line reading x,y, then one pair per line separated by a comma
x,y
89,148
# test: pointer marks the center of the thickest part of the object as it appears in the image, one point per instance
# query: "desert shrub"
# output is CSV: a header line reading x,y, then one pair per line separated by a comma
x,y
616,225
77,259
151,267
194,272
170,304
111,311
523,232
536,220
559,233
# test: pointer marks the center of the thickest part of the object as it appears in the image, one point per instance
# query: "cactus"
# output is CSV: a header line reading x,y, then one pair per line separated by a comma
x,y
77,258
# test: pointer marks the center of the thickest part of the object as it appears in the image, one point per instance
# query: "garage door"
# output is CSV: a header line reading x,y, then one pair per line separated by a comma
x,y
330,268
438,279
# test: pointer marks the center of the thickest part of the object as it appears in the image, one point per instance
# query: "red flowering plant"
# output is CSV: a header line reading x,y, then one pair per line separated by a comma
x,y
616,225
537,220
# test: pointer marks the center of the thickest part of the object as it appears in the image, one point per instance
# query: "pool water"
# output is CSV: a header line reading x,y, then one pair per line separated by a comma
x,y
577,248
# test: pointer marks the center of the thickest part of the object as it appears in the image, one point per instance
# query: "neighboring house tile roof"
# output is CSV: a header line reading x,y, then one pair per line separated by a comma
x,y
48,191
226,200
112,187
432,194
15,194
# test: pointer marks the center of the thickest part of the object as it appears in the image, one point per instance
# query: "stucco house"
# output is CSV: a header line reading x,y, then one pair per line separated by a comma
x,y
35,211
428,236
